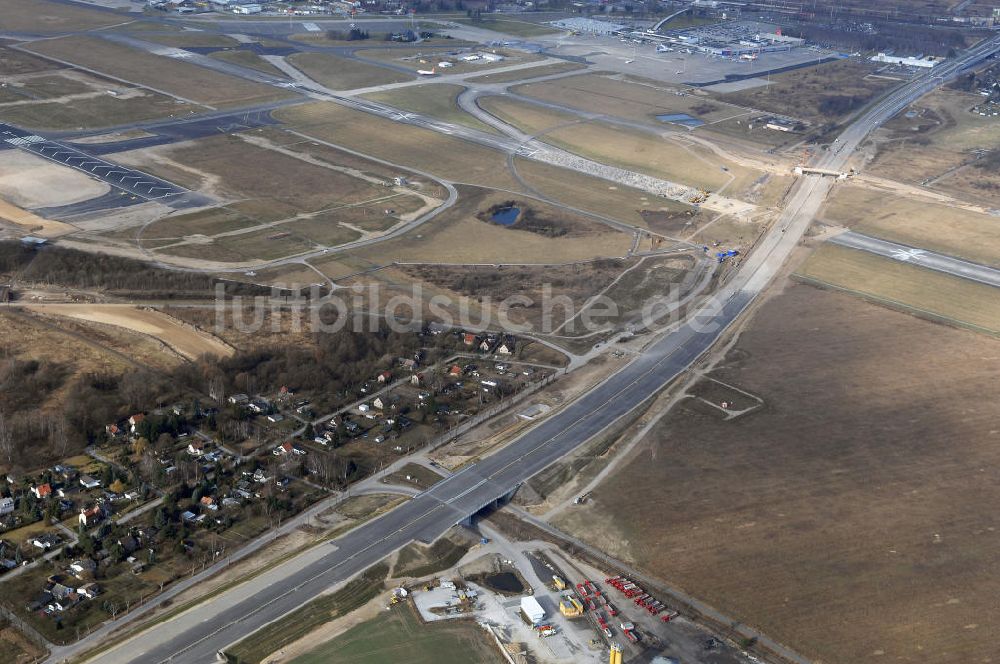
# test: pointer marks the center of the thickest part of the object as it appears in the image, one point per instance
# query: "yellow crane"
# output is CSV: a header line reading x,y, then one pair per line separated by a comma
x,y
616,654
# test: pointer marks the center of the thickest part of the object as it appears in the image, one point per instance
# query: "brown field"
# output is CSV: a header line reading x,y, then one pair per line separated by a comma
x,y
849,518
436,99
645,153
231,167
801,93
14,63
83,347
594,194
458,236
246,59
170,75
342,73
638,100
16,647
423,149
523,74
43,17
916,222
187,341
906,287
940,146
95,112
578,282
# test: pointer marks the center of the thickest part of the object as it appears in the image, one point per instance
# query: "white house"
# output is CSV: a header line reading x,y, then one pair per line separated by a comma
x,y
6,506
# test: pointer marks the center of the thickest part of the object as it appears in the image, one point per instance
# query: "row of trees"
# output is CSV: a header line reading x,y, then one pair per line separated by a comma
x,y
77,269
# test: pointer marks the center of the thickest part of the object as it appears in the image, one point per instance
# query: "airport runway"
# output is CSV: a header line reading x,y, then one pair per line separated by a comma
x,y
128,181
921,257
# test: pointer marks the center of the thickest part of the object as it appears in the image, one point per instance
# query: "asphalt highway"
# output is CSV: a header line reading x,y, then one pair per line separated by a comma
x,y
922,257
197,635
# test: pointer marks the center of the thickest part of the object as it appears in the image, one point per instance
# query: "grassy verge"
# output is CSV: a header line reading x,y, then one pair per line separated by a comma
x,y
297,624
400,636
418,561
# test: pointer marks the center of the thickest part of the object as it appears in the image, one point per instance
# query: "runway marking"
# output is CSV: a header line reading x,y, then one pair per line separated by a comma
x,y
908,254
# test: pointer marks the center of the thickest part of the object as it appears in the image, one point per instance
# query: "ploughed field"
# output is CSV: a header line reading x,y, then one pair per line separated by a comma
x,y
851,517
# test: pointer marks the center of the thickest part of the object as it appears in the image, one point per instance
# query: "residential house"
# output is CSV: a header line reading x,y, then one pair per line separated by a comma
x,y
485,346
88,482
410,364
455,370
208,502
469,339
238,399
128,544
6,506
384,377
506,346
89,590
46,541
90,516
284,449
380,403
135,421
113,431
274,418
42,491
83,568
259,405
196,448
417,379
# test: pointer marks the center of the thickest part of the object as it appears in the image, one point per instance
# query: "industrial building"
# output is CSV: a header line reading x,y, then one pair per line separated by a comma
x,y
919,61
532,611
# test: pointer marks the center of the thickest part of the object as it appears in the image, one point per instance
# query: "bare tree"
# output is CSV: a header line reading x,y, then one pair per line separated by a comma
x,y
6,440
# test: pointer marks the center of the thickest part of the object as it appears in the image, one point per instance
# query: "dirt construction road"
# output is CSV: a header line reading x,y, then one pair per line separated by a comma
x,y
186,340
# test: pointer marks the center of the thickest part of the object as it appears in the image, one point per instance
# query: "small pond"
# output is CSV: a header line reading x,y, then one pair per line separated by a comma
x,y
681,119
505,582
506,216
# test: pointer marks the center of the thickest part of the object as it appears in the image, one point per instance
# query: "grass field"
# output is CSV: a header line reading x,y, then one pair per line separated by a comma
x,y
437,100
300,622
510,26
630,149
458,236
421,57
95,112
638,100
940,144
419,476
343,73
45,17
593,194
170,75
238,169
418,561
399,636
851,517
450,158
531,72
809,94
916,222
906,287
14,63
246,59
